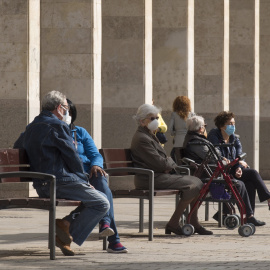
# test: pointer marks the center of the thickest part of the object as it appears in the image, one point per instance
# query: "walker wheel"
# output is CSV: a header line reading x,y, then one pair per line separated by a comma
x,y
245,230
253,227
239,218
188,230
183,220
231,222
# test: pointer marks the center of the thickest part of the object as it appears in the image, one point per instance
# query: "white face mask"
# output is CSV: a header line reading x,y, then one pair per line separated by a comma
x,y
66,117
153,125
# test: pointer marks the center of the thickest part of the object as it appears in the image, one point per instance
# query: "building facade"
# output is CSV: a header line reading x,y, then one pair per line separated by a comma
x,y
111,56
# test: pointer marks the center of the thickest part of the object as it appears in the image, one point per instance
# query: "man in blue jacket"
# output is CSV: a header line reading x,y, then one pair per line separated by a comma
x,y
50,149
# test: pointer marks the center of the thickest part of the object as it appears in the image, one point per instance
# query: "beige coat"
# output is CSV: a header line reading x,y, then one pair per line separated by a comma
x,y
147,153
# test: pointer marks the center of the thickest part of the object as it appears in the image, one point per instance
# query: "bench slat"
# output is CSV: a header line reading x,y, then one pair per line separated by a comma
x,y
37,202
18,201
121,192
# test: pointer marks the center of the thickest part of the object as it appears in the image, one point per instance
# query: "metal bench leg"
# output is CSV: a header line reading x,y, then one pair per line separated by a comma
x,y
104,243
52,233
177,199
151,221
220,214
141,214
183,217
206,217
52,220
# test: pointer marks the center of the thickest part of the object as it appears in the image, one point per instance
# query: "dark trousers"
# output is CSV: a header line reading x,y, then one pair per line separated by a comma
x,y
244,194
253,182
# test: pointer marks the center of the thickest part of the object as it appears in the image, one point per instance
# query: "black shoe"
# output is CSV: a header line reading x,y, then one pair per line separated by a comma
x,y
203,231
255,221
215,217
169,230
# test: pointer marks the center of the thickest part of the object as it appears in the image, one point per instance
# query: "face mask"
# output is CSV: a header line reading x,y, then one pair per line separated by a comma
x,y
230,129
66,117
153,125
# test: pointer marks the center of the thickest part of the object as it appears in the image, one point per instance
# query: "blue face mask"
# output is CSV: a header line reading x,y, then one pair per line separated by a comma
x,y
230,129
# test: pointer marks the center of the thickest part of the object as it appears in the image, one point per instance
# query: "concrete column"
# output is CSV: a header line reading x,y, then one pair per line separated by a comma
x,y
226,54
169,51
209,53
70,57
170,55
13,70
264,82
124,69
96,127
242,74
148,53
190,45
33,59
256,129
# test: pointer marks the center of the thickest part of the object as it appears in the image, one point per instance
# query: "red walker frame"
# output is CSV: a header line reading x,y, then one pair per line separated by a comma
x,y
223,170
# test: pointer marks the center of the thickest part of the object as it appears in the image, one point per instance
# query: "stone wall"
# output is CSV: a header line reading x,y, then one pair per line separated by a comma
x,y
123,81
66,52
13,69
228,63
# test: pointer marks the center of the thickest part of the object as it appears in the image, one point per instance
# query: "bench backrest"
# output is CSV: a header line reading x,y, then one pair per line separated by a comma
x,y
12,160
115,158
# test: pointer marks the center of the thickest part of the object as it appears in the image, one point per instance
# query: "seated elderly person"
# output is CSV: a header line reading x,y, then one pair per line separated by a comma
x,y
223,134
147,153
196,133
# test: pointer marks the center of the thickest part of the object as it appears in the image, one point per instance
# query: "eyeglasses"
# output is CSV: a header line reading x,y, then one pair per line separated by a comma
x,y
153,118
65,107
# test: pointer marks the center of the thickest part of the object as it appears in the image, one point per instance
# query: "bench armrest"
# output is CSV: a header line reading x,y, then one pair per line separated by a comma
x,y
43,176
181,169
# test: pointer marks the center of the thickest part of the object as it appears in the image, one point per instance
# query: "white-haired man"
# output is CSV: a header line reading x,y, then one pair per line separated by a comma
x,y
50,149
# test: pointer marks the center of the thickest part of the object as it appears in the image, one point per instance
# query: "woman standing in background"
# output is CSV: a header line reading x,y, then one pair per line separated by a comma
x,y
177,126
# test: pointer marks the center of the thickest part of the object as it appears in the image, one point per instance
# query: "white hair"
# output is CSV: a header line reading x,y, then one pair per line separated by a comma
x,y
144,111
194,123
52,100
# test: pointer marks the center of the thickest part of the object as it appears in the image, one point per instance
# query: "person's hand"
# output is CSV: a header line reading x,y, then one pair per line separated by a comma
x,y
94,171
238,172
226,160
243,163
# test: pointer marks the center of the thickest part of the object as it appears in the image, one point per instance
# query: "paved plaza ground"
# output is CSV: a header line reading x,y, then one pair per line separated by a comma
x,y
23,242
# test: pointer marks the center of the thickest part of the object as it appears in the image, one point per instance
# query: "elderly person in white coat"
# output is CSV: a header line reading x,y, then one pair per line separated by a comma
x,y
147,153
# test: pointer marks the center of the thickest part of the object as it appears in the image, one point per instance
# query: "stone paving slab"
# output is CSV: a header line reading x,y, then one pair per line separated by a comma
x,y
23,242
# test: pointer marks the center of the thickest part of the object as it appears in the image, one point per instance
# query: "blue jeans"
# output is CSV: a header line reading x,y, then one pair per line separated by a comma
x,y
94,206
101,184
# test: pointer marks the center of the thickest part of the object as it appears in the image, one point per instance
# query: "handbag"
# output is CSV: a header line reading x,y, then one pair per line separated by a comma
x,y
218,191
161,137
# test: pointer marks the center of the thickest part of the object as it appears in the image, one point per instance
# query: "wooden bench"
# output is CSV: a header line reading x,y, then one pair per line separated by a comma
x,y
118,162
14,167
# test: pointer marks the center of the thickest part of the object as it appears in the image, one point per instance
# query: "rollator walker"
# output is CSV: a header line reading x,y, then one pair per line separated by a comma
x,y
220,175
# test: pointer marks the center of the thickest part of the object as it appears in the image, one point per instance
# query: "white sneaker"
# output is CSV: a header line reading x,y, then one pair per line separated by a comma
x,y
107,232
